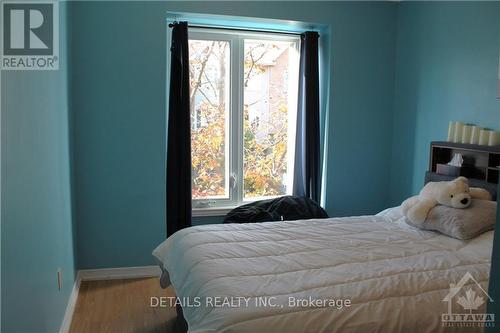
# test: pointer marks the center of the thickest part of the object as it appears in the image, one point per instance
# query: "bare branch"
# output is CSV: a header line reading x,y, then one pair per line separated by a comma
x,y
253,62
197,84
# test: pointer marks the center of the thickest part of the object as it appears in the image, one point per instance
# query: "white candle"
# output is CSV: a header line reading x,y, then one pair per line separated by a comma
x,y
484,137
466,132
474,136
451,131
494,138
459,127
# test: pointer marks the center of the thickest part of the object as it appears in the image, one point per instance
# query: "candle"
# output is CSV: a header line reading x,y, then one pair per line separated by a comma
x,y
484,137
494,139
459,127
474,136
451,131
466,133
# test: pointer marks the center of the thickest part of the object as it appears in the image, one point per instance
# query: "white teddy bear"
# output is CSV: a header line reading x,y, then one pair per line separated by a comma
x,y
455,193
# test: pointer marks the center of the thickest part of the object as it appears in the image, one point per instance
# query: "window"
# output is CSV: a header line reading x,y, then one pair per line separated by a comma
x,y
243,113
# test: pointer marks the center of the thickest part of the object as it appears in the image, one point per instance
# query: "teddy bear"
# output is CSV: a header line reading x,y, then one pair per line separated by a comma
x,y
455,193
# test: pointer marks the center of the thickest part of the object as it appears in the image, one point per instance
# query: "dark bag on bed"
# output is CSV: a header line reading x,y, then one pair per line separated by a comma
x,y
282,208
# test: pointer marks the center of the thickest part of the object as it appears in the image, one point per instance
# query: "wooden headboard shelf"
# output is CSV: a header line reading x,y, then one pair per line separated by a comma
x,y
483,160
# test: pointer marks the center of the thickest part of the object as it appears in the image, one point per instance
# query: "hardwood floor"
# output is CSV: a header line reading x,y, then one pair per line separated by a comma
x,y
123,306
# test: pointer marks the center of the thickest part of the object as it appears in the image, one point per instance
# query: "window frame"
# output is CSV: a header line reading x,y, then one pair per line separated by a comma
x,y
235,116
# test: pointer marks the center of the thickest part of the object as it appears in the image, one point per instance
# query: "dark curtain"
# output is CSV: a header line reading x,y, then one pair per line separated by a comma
x,y
179,134
307,169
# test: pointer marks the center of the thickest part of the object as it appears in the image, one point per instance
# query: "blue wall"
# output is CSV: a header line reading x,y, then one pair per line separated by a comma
x,y
447,65
118,102
36,207
399,73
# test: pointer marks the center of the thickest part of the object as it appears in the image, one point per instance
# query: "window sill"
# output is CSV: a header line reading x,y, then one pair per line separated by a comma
x,y
211,211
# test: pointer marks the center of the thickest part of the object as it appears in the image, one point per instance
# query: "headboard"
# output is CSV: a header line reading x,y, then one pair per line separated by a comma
x,y
482,164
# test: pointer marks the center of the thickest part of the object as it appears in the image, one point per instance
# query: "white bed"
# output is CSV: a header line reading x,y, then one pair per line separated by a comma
x,y
395,276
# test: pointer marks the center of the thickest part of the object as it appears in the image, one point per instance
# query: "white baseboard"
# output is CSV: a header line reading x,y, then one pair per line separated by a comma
x,y
70,307
102,274
120,273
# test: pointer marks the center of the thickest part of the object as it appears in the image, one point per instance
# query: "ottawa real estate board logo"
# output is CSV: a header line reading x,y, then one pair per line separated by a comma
x,y
30,35
467,304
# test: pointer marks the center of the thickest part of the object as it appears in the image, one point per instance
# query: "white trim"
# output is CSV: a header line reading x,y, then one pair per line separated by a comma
x,y
212,211
102,274
234,155
228,199
120,273
70,307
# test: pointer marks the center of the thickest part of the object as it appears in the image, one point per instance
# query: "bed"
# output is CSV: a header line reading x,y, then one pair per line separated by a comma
x,y
394,276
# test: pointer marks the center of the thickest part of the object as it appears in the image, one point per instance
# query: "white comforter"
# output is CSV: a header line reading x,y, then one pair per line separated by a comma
x,y
395,276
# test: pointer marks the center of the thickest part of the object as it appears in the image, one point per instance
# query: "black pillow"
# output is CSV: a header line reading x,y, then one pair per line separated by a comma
x,y
283,208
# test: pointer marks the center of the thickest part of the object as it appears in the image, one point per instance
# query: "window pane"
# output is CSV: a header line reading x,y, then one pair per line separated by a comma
x,y
209,97
270,88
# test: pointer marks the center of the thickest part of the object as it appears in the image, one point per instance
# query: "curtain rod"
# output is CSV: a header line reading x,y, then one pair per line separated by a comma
x,y
171,25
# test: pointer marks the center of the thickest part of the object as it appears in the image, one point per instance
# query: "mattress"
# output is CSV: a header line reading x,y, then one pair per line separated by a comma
x,y
352,274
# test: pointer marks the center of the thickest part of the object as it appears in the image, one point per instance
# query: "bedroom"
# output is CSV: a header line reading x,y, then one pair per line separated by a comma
x,y
84,146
